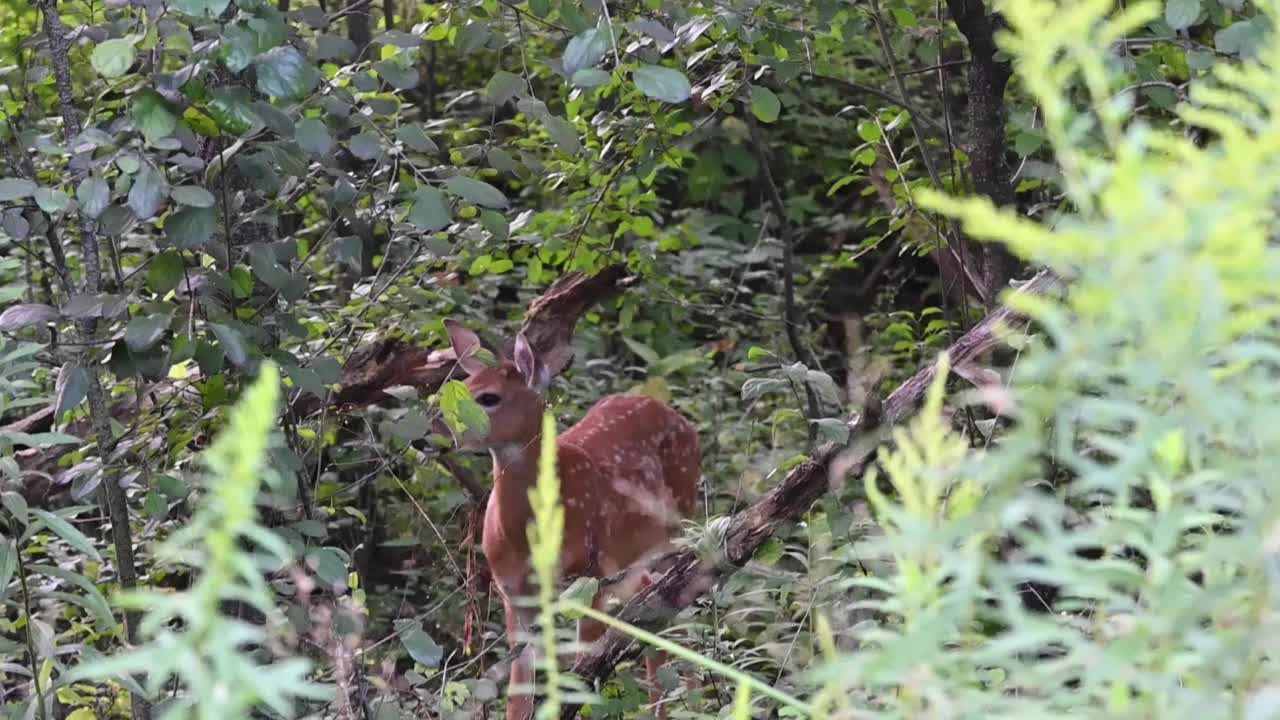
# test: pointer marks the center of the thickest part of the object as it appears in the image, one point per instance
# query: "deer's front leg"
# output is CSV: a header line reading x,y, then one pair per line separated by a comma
x,y
521,687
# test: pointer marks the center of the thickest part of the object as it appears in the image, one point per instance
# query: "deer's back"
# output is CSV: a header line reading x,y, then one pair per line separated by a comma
x,y
644,462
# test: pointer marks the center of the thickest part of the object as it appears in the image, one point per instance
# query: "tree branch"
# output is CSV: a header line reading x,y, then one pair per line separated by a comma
x,y
99,413
988,78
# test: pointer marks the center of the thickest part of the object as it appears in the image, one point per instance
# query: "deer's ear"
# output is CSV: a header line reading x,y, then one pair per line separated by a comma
x,y
530,368
465,344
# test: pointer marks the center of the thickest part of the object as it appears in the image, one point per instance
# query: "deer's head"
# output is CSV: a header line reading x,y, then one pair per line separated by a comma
x,y
510,393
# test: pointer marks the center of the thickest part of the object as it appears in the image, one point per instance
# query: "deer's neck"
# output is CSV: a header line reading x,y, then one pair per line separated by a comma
x,y
515,470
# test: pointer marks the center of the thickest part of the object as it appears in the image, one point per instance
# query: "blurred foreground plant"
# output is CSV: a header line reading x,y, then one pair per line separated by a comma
x,y
223,667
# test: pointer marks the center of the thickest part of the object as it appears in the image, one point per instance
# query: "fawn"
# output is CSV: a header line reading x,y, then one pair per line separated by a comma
x,y
628,472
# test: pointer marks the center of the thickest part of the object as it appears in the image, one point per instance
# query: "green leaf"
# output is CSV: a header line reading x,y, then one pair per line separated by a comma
x,y
112,58
365,146
413,136
284,73
313,137
329,566
8,563
15,189
764,104
94,195
421,647
164,272
590,78
265,265
869,131
1242,38
210,8
148,193
19,317
51,200
503,86
152,117
477,191
400,77
496,224
581,592
190,227
334,47
239,46
430,211
1180,14
462,413
585,50
563,134
67,532
73,387
143,332
662,83
232,343
193,196
231,110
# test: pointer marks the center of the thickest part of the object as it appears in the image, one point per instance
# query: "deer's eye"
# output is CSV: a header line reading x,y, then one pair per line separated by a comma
x,y
488,399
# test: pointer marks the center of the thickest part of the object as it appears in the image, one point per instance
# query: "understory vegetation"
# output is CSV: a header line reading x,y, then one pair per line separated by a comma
x,y
975,306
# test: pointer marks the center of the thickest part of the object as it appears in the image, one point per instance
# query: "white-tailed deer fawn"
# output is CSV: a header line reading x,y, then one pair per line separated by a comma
x,y
628,472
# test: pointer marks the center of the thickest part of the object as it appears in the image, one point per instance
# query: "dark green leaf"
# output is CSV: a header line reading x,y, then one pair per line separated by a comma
x,y
430,210
399,76
366,146
232,343
313,137
152,117
148,193
112,58
239,48
421,647
165,272
230,109
585,50
67,532
190,227
503,86
143,332
496,224
329,566
210,8
764,104
1241,38
265,265
72,388
15,189
51,200
284,73
94,195
563,134
476,191
8,563
19,317
661,83
1180,14
192,195
413,136
590,78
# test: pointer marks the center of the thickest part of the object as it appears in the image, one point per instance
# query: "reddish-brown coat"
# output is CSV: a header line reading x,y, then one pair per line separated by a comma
x,y
628,473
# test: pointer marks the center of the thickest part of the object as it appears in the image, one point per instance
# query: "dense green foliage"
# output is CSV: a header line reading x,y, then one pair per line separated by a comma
x,y
198,192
